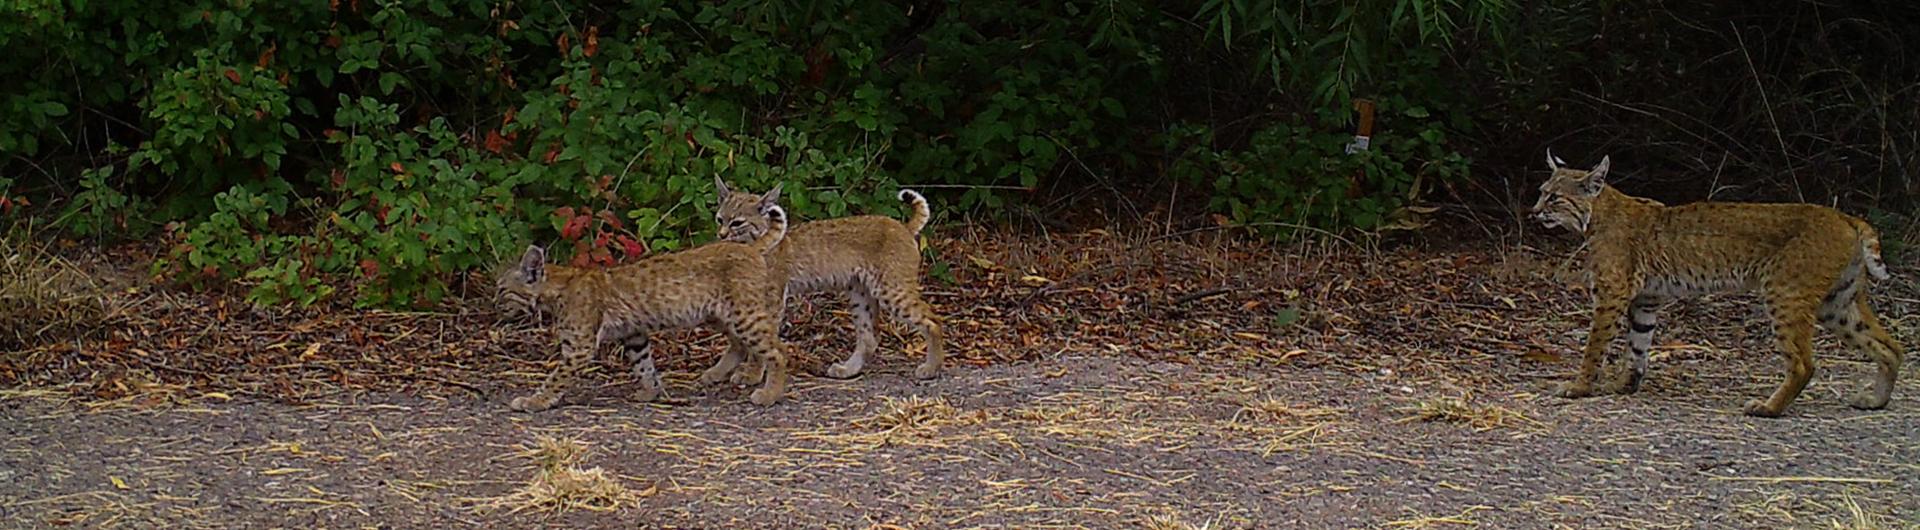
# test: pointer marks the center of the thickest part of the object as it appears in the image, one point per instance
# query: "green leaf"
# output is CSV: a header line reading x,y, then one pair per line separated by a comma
x,y
388,81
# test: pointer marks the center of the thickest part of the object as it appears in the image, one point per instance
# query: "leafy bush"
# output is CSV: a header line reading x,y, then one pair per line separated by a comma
x,y
376,150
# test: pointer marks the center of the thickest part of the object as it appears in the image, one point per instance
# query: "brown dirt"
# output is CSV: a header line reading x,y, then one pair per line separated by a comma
x,y
1100,382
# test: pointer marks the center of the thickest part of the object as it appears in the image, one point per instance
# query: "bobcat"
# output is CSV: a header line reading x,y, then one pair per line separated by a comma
x,y
724,283
874,259
1809,262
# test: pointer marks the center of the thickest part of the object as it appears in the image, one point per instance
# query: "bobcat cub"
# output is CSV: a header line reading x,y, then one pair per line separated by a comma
x,y
1810,263
724,283
874,259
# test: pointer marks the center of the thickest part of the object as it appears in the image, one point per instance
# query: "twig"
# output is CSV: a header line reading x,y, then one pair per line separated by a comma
x,y
1189,297
1767,104
1349,242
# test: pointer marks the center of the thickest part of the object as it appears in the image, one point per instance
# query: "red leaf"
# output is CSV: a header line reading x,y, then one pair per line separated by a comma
x,y
382,214
397,168
562,43
600,240
632,248
495,142
333,41
563,211
339,179
508,119
266,57
611,219
333,134
593,40
233,75
553,153
575,227
369,267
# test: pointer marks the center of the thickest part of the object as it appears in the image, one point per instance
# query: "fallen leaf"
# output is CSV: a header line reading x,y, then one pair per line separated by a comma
x,y
117,483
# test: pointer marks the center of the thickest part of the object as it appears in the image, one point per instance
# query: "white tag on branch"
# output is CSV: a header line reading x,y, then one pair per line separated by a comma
x,y
1360,143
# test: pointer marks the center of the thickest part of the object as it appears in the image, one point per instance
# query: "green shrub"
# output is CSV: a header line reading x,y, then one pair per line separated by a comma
x,y
376,150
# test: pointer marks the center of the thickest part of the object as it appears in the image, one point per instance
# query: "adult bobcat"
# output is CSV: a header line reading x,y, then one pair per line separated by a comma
x,y
874,259
724,283
1807,261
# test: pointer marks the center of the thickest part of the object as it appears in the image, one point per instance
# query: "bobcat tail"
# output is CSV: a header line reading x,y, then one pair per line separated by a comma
x,y
1870,251
920,215
776,230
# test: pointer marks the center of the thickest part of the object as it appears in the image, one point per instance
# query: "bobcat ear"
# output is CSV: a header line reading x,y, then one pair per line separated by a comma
x,y
771,199
1596,177
720,188
1554,161
533,264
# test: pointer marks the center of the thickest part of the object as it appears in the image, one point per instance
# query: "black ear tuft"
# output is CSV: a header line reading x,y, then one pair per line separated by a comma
x,y
720,189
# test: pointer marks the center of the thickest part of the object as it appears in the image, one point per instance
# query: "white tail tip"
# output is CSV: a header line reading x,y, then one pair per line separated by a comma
x,y
911,196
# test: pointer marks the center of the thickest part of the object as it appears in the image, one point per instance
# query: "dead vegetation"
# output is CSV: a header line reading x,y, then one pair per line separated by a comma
x,y
559,482
1479,417
43,297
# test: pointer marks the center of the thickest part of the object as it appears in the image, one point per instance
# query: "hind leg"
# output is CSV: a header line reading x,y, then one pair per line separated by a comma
x,y
1793,334
639,353
901,297
726,364
864,342
1858,327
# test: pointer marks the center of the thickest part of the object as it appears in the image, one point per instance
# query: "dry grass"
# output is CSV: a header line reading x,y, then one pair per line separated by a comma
x,y
1479,417
910,415
559,483
1169,522
44,298
1856,517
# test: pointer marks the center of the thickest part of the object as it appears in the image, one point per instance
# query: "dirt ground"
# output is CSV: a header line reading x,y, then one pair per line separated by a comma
x,y
1091,388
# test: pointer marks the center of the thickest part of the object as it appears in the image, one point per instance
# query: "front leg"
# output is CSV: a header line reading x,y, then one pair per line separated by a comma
x,y
576,351
1609,306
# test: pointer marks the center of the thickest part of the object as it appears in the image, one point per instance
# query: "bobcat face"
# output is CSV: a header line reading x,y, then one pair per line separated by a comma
x,y
742,217
1566,199
515,286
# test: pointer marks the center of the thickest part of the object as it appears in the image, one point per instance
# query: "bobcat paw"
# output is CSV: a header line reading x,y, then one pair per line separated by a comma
x,y
926,371
747,376
1868,400
1574,390
1759,409
844,370
766,396
713,376
647,394
534,403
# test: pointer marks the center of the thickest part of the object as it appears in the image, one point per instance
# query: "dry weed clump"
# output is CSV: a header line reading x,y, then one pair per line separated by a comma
x,y
1480,417
1169,522
44,298
560,484
909,415
1857,518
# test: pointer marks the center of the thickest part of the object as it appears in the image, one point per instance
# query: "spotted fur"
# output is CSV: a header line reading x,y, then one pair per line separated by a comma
x,y
1810,263
874,259
724,284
